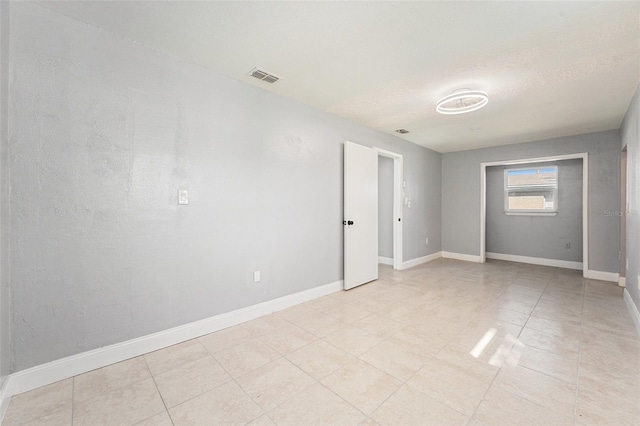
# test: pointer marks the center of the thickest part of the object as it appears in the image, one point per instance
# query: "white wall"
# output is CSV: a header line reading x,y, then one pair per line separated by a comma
x,y
630,131
5,301
105,131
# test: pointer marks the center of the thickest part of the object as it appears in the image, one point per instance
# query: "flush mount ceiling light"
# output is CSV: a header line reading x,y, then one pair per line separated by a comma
x,y
462,101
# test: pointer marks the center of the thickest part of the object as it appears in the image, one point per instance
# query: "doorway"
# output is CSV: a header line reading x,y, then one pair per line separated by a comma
x,y
397,201
585,209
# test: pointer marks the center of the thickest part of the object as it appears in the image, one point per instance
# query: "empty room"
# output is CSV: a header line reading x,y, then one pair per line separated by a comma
x,y
319,212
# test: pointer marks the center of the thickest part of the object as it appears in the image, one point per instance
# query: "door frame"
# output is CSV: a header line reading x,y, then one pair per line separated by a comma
x,y
585,200
398,185
622,280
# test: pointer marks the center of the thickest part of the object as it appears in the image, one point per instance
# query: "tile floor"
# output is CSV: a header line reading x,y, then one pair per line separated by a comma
x,y
448,342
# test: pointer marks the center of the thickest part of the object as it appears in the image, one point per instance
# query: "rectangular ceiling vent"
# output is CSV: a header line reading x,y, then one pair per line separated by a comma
x,y
263,75
402,131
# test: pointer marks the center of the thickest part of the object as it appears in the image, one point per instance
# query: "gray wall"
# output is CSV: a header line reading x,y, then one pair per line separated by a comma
x,y
630,131
385,207
537,236
461,192
5,296
103,133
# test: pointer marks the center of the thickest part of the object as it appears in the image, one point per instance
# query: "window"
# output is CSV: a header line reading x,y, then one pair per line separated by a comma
x,y
531,191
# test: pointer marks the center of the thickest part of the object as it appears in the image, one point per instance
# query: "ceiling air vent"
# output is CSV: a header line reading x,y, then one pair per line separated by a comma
x,y
402,131
263,75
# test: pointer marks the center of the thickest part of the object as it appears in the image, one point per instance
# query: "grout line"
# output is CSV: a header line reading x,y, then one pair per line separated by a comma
x,y
73,390
157,390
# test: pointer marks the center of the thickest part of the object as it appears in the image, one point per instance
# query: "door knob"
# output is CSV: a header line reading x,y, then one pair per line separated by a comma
x,y
350,222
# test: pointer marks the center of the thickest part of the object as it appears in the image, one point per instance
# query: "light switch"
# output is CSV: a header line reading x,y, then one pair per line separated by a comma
x,y
183,196
256,276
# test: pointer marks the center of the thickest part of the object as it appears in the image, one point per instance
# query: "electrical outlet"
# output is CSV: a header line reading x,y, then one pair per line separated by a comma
x,y
426,241
256,276
567,246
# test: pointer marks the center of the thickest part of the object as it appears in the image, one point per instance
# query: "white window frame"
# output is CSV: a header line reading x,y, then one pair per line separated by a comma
x,y
532,212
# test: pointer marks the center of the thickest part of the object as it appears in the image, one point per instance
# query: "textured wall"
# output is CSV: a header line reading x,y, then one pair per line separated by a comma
x,y
537,236
630,131
461,192
103,133
385,207
5,300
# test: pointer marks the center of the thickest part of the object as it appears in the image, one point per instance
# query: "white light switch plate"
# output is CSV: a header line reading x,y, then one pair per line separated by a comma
x,y
183,196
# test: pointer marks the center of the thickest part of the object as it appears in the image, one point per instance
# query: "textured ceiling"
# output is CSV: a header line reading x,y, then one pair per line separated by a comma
x,y
550,68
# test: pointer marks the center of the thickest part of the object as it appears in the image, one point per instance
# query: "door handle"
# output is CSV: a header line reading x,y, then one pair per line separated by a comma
x,y
350,222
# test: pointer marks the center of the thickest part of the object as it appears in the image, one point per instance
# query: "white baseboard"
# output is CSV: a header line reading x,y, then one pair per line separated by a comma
x,y
461,256
536,260
385,260
602,276
420,260
5,397
633,310
41,375
622,281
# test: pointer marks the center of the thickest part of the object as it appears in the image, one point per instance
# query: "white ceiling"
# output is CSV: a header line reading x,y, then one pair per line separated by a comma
x,y
550,68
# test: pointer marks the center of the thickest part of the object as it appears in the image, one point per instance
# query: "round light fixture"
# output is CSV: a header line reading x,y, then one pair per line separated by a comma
x,y
462,101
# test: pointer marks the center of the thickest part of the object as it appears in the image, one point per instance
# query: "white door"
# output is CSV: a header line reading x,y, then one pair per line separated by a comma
x,y
360,215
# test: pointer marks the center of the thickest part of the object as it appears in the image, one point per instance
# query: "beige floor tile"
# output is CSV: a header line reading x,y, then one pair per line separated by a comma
x,y
320,324
396,357
38,403
316,406
449,385
614,383
190,380
319,359
368,422
296,313
566,346
562,367
288,338
378,325
479,368
557,312
430,343
223,339
538,388
171,357
274,383
353,340
227,404
504,315
348,313
106,379
362,385
265,325
409,406
161,419
127,405
567,329
263,420
597,409
323,303
502,408
62,417
245,357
